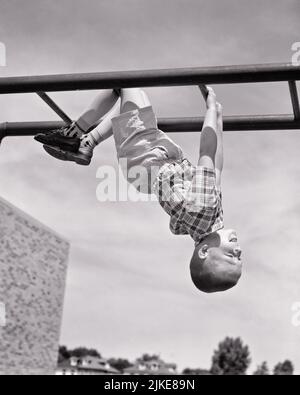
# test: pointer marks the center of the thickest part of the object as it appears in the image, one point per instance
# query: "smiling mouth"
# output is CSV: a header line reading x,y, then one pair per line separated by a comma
x,y
235,258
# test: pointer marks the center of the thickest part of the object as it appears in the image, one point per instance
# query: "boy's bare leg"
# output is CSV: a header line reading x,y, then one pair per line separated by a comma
x,y
102,105
133,98
104,129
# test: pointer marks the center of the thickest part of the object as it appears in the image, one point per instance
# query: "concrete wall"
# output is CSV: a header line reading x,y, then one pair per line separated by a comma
x,y
33,264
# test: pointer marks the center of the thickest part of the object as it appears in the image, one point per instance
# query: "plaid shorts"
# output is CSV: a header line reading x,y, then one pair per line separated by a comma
x,y
139,142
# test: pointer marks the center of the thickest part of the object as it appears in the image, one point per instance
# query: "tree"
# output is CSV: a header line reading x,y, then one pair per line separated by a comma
x,y
284,369
119,363
231,358
262,370
148,357
79,352
198,372
63,354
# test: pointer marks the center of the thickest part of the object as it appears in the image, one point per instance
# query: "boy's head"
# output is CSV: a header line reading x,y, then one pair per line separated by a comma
x,y
216,264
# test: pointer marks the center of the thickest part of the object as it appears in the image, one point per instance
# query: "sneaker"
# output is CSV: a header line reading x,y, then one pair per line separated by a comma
x,y
56,139
63,138
82,157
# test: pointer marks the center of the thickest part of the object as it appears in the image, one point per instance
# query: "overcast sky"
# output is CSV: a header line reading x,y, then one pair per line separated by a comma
x,y
128,288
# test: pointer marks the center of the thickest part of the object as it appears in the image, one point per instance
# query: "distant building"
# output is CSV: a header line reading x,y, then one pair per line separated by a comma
x,y
152,367
85,366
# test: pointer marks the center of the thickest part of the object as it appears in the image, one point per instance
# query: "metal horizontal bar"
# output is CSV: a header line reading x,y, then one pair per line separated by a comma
x,y
295,98
151,78
170,125
233,124
47,99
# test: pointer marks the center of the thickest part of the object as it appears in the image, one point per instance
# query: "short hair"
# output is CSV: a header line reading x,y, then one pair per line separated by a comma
x,y
212,274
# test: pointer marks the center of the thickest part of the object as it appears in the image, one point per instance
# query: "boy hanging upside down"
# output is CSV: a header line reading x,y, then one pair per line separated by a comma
x,y
190,195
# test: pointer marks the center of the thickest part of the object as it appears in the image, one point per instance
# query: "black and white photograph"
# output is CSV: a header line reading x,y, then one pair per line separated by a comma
x,y
149,190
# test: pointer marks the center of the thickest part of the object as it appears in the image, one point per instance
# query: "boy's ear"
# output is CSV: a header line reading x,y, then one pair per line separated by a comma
x,y
203,252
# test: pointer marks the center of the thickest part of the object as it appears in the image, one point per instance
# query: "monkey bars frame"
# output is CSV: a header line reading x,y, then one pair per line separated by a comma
x,y
159,78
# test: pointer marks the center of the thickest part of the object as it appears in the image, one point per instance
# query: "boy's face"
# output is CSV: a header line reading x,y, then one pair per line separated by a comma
x,y
224,256
229,246
220,266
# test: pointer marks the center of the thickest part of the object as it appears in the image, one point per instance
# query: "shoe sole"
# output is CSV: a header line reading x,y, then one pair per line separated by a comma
x,y
46,140
60,154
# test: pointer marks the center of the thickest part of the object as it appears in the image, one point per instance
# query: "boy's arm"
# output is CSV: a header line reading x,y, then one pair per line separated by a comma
x,y
219,154
209,137
202,193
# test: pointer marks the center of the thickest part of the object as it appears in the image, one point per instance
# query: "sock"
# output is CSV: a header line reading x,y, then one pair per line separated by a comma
x,y
97,135
87,144
101,132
